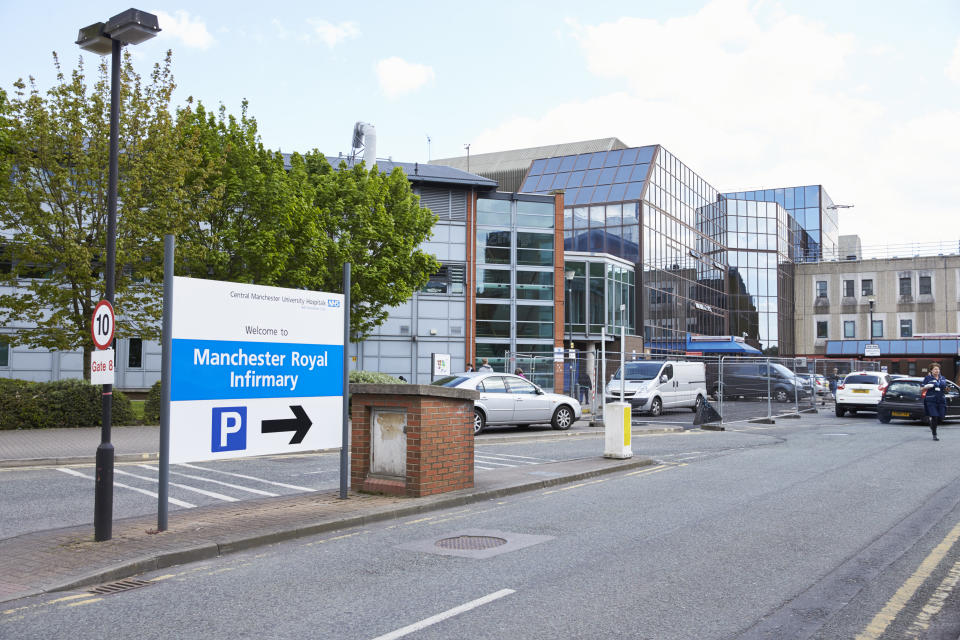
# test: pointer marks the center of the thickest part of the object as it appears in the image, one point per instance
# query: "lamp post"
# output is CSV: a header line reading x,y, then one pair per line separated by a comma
x,y
569,311
130,27
871,301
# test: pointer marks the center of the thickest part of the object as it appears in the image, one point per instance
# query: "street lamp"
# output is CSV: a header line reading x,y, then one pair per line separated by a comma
x,y
871,301
130,27
569,276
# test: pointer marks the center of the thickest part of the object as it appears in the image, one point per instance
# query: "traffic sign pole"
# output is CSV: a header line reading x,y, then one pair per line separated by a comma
x,y
102,327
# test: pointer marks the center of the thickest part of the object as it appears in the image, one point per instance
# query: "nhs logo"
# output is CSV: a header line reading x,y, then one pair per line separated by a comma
x,y
229,429
332,302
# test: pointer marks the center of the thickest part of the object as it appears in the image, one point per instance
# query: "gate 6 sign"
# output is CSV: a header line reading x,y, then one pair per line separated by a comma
x,y
102,325
255,370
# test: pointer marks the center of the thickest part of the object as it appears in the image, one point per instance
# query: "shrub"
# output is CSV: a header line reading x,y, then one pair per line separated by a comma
x,y
372,377
63,403
151,408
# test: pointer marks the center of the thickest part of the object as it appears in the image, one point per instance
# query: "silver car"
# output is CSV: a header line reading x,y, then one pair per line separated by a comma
x,y
509,399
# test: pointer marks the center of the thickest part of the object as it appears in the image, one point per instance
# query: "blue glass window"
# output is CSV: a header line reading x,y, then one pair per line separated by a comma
x,y
584,196
613,159
552,165
537,167
576,178
616,192
629,156
606,175
561,180
812,196
591,178
531,184
570,195
634,189
798,197
601,194
813,218
597,216
583,161
788,198
645,154
623,174
596,241
568,162
640,172
596,159
580,217
630,211
778,197
546,182
614,244
768,195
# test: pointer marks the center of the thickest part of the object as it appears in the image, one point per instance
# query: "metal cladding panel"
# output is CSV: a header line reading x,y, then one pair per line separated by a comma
x,y
486,163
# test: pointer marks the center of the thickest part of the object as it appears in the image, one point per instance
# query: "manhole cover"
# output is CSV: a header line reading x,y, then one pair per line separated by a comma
x,y
470,543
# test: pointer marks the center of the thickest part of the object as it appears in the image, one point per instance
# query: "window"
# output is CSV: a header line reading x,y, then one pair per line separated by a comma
x,y
449,279
866,287
493,247
135,353
821,328
535,214
4,354
926,287
493,212
877,331
534,321
493,283
821,288
493,384
848,288
534,248
849,329
534,285
905,286
493,320
521,387
906,328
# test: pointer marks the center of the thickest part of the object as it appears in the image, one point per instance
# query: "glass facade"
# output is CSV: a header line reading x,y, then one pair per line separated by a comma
x,y
515,275
813,219
646,207
599,286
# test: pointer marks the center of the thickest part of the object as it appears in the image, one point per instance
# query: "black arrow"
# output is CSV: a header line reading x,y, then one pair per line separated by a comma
x,y
300,424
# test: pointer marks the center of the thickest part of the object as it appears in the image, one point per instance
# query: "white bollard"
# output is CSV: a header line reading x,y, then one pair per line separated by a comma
x,y
616,425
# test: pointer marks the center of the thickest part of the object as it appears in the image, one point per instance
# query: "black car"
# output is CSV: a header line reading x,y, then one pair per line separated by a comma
x,y
903,400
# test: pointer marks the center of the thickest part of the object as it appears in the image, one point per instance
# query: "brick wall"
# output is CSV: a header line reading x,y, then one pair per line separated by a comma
x,y
439,438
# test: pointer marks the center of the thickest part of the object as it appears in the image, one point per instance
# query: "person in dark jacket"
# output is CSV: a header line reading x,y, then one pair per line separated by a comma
x,y
934,401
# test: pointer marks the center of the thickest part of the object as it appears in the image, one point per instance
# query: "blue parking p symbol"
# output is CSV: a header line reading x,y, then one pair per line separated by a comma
x,y
229,429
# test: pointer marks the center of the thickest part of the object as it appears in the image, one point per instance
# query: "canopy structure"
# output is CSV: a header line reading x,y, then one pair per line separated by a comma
x,y
720,344
895,347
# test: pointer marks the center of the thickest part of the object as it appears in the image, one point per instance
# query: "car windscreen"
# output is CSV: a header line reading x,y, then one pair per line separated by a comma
x,y
861,379
640,370
780,370
904,389
449,381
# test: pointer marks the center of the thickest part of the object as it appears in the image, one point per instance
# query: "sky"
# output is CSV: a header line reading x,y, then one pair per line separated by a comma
x,y
860,96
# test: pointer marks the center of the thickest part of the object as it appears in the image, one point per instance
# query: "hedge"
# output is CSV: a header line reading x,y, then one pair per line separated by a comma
x,y
64,403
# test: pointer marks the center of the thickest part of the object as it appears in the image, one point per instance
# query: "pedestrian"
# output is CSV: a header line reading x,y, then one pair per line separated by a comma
x,y
469,367
485,366
585,385
934,400
834,381
519,372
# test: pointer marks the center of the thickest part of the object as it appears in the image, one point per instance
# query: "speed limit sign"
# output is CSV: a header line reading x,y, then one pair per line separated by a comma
x,y
102,325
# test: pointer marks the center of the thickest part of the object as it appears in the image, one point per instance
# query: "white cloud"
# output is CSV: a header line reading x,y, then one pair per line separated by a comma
x,y
398,77
191,31
953,67
751,98
334,34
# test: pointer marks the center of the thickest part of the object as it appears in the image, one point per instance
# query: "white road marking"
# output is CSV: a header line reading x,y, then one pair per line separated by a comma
x,y
440,617
508,456
186,487
179,503
240,475
225,484
493,462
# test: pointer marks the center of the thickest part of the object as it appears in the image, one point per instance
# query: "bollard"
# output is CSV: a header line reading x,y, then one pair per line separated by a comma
x,y
617,430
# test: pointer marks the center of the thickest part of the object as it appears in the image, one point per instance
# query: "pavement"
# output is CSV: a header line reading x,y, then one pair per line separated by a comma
x,y
69,558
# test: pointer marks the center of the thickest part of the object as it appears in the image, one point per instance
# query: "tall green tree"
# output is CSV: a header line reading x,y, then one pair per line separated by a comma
x,y
53,203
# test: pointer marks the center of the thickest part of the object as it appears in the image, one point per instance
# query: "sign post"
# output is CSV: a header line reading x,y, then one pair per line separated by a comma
x,y
440,365
101,330
253,370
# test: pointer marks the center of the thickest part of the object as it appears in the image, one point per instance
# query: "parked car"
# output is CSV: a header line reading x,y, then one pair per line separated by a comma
x,y
756,379
509,399
654,385
860,391
816,382
903,400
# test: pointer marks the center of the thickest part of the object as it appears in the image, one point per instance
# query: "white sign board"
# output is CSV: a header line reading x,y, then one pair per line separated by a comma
x,y
558,354
255,370
101,367
441,364
871,350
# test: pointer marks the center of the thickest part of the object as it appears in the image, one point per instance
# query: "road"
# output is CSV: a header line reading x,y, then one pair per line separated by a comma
x,y
828,528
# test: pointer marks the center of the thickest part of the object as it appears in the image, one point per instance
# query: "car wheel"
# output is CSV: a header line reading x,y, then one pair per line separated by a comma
x,y
562,418
698,404
884,416
479,421
780,395
656,407
840,411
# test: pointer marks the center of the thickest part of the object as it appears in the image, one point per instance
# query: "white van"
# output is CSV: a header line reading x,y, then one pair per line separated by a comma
x,y
655,385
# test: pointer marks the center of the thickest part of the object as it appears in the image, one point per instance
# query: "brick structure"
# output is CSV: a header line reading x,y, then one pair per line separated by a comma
x,y
437,438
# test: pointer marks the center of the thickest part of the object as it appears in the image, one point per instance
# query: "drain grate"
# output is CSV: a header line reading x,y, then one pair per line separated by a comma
x,y
118,586
470,543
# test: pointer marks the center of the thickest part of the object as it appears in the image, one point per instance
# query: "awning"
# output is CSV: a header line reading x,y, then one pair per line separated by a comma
x,y
721,346
895,347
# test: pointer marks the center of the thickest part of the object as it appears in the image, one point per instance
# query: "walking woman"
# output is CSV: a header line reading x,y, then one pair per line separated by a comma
x,y
934,402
